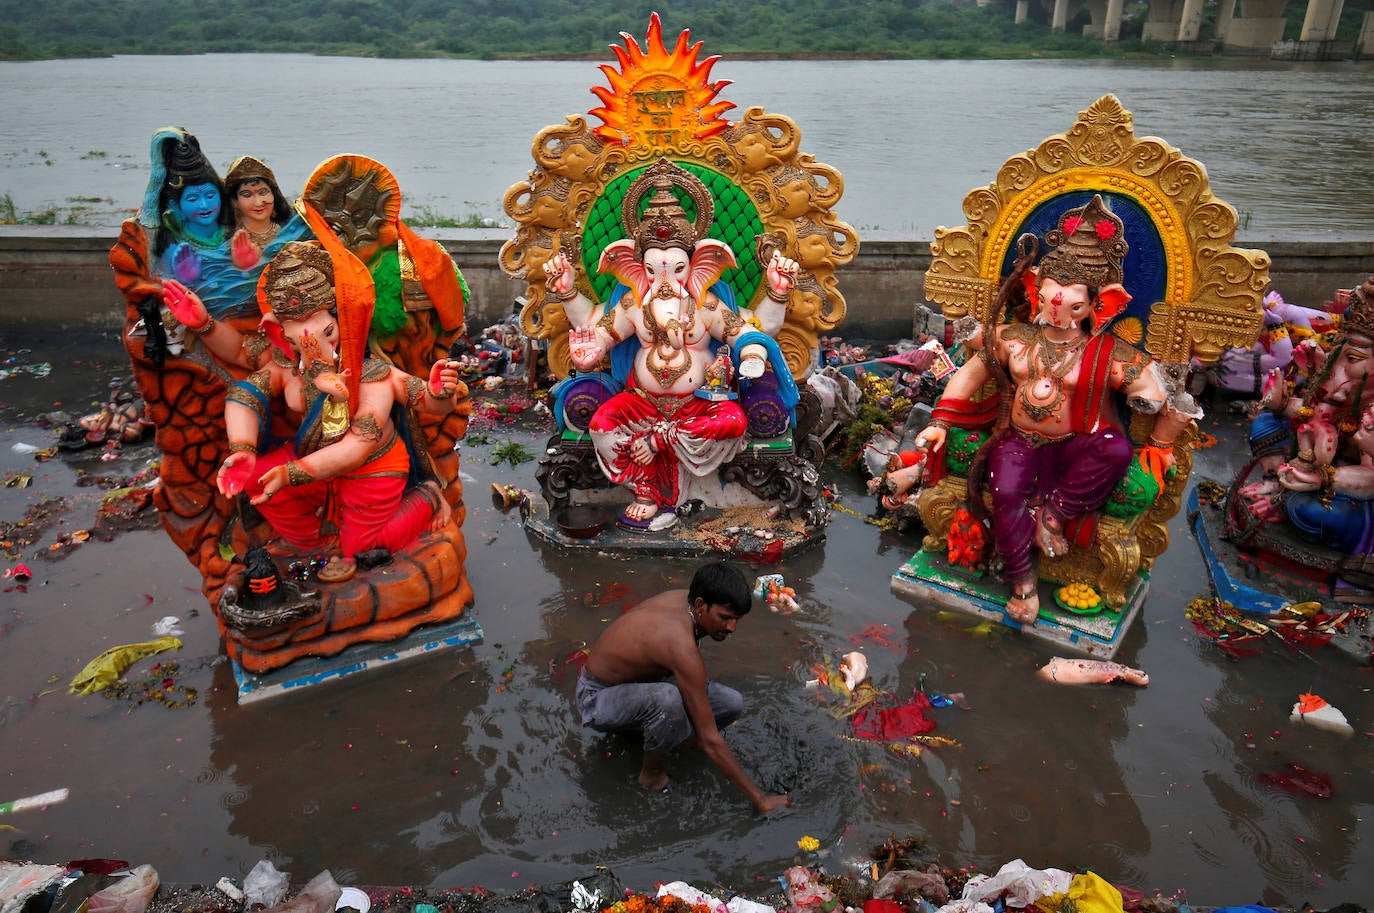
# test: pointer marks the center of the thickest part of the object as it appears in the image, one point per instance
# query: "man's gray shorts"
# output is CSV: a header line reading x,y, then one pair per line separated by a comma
x,y
653,708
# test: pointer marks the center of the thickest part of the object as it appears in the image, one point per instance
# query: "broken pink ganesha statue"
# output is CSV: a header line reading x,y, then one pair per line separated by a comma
x,y
658,426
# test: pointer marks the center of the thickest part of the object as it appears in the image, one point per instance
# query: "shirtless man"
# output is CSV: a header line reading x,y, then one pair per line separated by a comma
x,y
645,674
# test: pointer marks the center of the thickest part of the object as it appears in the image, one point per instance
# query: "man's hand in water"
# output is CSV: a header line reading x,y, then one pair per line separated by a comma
x,y
772,803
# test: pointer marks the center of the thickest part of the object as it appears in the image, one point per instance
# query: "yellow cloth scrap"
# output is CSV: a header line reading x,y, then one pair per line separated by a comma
x,y
1088,893
103,671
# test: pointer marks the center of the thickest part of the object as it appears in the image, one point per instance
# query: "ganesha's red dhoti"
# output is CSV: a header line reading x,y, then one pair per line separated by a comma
x,y
695,434
370,506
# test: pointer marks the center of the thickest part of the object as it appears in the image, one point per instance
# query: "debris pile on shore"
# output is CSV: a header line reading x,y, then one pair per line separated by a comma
x,y
900,878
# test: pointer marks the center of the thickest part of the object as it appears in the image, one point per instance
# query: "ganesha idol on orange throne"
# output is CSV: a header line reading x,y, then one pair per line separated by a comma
x,y
1058,445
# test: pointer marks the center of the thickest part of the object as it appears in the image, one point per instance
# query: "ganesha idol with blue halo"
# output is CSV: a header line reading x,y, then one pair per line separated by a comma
x,y
295,365
1099,265
679,267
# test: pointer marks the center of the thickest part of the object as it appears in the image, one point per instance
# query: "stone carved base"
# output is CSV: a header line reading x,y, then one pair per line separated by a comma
x,y
785,476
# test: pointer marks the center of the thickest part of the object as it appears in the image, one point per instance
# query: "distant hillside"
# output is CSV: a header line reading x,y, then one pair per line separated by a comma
x,y
533,28
560,28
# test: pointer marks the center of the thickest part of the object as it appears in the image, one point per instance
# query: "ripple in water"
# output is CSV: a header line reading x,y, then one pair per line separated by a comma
x,y
235,798
1114,859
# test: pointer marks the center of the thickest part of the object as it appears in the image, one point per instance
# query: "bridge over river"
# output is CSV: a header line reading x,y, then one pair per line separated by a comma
x,y
1242,26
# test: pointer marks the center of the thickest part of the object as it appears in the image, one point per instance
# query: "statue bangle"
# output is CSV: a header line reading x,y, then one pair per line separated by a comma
x,y
444,393
1328,483
779,297
296,474
236,446
1162,445
205,329
569,295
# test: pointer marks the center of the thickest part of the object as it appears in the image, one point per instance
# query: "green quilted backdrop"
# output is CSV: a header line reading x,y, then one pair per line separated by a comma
x,y
736,223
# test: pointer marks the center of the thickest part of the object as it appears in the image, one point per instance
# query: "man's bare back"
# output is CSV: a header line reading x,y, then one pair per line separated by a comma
x,y
648,643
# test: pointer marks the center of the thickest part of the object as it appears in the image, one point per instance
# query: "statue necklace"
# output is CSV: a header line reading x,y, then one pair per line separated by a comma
x,y
667,374
1049,362
262,238
174,223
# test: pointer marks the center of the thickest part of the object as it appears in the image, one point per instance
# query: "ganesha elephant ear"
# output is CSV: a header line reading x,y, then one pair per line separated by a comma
x,y
1111,301
1029,277
619,259
274,333
710,258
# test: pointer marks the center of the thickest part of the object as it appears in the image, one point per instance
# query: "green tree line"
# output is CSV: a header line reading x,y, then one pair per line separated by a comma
x,y
564,28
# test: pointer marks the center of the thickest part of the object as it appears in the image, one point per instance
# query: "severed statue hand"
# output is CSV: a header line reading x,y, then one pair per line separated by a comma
x,y
584,348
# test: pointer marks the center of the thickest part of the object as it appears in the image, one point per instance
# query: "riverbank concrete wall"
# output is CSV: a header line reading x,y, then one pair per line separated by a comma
x,y
58,277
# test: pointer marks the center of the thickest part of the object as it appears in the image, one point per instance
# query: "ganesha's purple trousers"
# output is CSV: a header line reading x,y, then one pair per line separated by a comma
x,y
1073,476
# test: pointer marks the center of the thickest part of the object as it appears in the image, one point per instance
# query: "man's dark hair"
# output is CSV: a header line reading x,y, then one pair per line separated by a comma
x,y
721,584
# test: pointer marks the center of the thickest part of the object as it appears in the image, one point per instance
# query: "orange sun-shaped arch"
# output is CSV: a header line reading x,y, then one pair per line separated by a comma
x,y
657,99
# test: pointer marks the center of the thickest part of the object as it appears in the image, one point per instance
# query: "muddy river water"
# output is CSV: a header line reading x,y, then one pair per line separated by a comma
x,y
468,767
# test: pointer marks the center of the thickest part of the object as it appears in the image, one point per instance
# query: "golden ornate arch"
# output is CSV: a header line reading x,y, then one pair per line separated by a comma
x,y
663,103
1213,296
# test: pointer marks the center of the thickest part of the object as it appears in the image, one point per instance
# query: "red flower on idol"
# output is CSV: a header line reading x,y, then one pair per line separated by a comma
x,y
1105,229
1071,224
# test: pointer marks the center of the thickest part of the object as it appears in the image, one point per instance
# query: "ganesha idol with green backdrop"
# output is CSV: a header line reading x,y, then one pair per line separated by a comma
x,y
680,268
294,361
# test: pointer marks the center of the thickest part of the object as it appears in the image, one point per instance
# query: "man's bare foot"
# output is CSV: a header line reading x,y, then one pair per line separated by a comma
x,y
640,509
1024,604
1049,533
654,774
